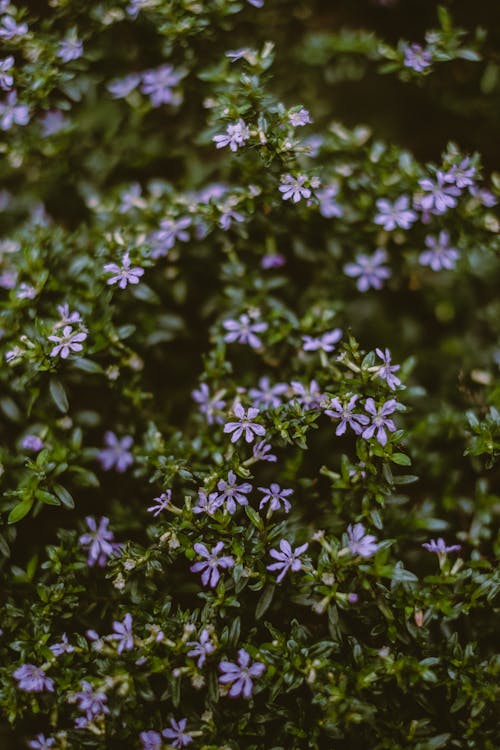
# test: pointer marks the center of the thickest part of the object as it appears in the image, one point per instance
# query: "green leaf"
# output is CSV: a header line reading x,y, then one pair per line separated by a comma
x,y
21,510
47,497
58,394
64,496
265,601
401,459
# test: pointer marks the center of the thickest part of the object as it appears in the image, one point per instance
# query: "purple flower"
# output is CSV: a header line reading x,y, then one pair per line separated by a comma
x,y
202,648
235,136
53,122
70,48
244,425
11,29
13,113
261,452
239,675
276,496
344,412
293,187
485,196
124,274
380,422
63,647
6,79
93,703
68,342
364,545
300,118
438,196
161,503
123,634
386,370
176,736
232,493
32,443
131,198
267,396
98,541
440,255
133,9
309,397
209,405
207,503
68,317
122,87
209,566
326,342
417,58
33,679
243,331
228,215
41,742
170,231
116,455
287,558
256,3
369,270
462,175
158,85
440,547
151,740
328,206
393,215
272,260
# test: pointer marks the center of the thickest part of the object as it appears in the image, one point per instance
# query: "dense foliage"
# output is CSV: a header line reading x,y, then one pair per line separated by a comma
x,y
249,387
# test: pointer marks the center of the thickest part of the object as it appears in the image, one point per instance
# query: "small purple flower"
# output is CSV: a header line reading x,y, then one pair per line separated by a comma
x,y
344,412
12,113
6,78
117,453
151,740
326,342
235,136
261,452
287,558
294,188
276,497
98,541
437,196
177,736
379,419
440,255
440,547
202,648
69,341
244,425
122,87
244,331
393,215
53,122
207,503
158,84
272,260
309,397
485,196
240,675
133,9
300,118
364,545
228,216
328,206
232,493
123,634
41,742
32,443
256,3
209,405
386,370
462,175
161,503
171,231
63,647
68,317
70,48
352,598
11,29
33,679
209,566
131,198
93,703
267,396
417,58
124,274
369,270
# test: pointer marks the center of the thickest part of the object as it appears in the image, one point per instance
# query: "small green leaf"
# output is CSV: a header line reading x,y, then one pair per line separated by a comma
x,y
21,510
64,496
401,459
58,394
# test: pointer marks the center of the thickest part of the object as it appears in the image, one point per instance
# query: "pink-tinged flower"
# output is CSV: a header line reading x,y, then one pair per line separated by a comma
x,y
41,742
287,558
244,331
232,493
151,740
364,545
261,452
326,342
116,455
63,647
294,188
202,648
124,274
240,675
209,566
440,255
177,736
387,369
69,341
393,215
33,679
244,426
123,634
344,412
276,497
160,503
379,419
98,541
235,136
440,547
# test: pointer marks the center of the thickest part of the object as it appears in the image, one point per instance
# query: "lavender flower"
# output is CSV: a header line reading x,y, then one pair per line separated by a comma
x,y
6,79
170,231
52,122
293,187
70,341
151,740
462,175
369,270
485,196
326,342
11,29
386,370
116,455
161,503
177,736
12,113
328,206
276,496
256,3
344,412
33,679
309,397
440,547
123,634
380,422
63,647
124,274
134,8
438,196
41,742
209,566
209,405
93,703
244,425
67,317
202,648
232,493
364,545
98,541
122,87
300,118
207,503
267,396
240,675
70,48
131,198
272,260
417,58
287,558
158,85
440,255
235,136
261,452
228,216
393,215
244,331
32,443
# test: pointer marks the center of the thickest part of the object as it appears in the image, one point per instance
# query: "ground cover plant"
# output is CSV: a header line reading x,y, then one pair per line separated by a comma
x,y
249,400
